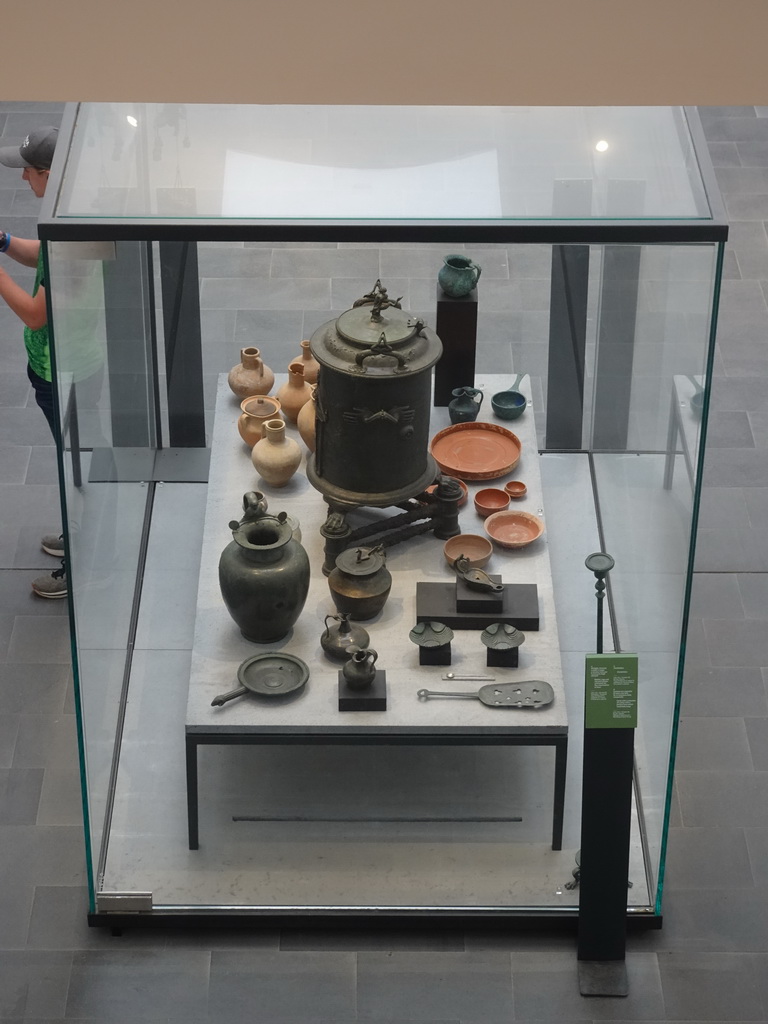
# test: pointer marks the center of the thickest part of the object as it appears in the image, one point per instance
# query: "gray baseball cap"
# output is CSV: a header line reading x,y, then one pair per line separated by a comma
x,y
35,151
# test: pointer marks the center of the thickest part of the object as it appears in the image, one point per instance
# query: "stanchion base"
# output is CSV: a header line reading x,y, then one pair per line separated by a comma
x,y
603,978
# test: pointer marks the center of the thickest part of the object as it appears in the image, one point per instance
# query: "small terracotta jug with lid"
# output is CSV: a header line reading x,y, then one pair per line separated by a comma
x,y
276,457
295,392
255,410
311,365
250,376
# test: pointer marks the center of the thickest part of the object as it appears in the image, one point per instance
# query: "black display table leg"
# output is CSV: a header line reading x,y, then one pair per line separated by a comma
x,y
191,744
561,761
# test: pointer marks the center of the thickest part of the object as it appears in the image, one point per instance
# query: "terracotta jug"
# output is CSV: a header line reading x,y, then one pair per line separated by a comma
x,y
311,365
255,410
276,457
295,392
250,376
305,421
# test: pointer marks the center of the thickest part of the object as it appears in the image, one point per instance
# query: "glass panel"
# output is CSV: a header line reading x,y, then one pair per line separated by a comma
x,y
646,483
624,483
105,384
381,163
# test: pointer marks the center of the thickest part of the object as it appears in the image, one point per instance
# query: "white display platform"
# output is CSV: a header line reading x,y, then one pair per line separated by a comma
x,y
313,715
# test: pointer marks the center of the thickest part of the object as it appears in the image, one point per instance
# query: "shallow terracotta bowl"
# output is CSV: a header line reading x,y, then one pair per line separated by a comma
x,y
474,546
489,500
514,529
516,489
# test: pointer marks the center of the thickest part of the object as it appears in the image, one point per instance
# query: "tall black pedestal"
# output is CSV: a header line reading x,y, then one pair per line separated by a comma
x,y
605,829
456,326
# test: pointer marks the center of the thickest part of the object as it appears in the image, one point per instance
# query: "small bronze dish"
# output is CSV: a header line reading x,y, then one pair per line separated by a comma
x,y
431,634
502,637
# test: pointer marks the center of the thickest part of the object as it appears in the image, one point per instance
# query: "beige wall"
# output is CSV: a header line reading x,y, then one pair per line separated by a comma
x,y
391,51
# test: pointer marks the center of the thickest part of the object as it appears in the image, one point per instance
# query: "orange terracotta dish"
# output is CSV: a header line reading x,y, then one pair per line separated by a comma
x,y
513,529
476,451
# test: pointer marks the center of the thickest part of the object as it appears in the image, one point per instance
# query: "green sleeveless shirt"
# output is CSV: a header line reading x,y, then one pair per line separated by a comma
x,y
36,341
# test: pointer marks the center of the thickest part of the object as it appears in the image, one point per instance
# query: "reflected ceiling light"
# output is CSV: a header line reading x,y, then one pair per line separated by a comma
x,y
601,146
132,121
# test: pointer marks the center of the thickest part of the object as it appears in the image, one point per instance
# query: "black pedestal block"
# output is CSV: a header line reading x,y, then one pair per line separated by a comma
x,y
373,698
469,599
520,607
502,659
456,326
435,655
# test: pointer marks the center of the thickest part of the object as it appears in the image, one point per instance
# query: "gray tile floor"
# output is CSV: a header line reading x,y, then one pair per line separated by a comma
x,y
710,961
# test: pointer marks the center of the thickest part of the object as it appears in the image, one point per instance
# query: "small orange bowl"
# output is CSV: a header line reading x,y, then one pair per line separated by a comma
x,y
516,489
462,485
476,548
490,500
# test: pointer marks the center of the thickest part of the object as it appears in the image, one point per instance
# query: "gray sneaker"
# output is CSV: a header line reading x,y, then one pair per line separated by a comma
x,y
53,585
53,544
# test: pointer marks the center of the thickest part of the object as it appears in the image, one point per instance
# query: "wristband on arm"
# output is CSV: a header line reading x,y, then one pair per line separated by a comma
x,y
5,241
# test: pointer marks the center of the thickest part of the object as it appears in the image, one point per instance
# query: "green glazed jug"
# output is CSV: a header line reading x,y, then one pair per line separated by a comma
x,y
465,405
458,275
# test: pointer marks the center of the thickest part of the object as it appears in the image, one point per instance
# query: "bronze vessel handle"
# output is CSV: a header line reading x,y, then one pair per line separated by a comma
x,y
224,697
381,348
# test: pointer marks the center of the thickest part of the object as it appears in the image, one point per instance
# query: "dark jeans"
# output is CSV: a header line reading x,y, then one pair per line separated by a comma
x,y
43,396
88,392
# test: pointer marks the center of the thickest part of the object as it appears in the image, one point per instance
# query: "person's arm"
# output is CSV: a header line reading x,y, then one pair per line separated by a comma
x,y
29,308
23,250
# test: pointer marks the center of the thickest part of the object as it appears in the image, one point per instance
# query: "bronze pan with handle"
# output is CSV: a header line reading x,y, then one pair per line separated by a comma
x,y
271,674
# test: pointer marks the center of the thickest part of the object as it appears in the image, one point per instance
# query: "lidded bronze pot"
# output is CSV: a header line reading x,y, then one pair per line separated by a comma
x,y
360,582
373,403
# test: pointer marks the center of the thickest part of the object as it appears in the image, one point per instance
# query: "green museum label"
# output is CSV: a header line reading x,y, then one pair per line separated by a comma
x,y
610,697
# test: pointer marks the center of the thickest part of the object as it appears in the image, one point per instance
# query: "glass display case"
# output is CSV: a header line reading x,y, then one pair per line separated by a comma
x,y
175,237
